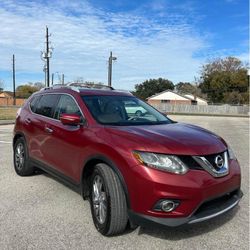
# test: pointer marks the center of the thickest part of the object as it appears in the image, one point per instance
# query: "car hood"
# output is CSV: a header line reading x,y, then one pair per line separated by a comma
x,y
175,138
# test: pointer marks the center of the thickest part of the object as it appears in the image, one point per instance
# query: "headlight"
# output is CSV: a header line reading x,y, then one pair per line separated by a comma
x,y
169,163
231,154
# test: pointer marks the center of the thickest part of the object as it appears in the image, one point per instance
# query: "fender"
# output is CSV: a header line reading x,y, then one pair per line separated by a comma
x,y
104,159
18,134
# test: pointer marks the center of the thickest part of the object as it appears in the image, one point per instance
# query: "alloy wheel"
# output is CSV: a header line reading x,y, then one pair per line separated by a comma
x,y
19,156
99,199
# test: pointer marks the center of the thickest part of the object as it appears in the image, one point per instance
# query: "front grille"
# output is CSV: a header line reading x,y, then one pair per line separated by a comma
x,y
211,159
207,163
190,162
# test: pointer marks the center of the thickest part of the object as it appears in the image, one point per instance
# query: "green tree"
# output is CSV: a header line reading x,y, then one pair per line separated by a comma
x,y
24,91
221,79
39,85
151,87
187,88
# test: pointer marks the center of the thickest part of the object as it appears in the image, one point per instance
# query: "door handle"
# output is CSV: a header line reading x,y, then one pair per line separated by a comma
x,y
28,121
48,130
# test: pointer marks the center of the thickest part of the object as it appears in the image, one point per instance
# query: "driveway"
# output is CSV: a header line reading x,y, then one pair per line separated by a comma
x,y
39,212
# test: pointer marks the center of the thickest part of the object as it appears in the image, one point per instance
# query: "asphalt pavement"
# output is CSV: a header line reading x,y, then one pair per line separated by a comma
x,y
38,212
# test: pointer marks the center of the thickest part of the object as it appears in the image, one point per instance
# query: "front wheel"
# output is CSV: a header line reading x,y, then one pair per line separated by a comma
x,y
108,202
21,158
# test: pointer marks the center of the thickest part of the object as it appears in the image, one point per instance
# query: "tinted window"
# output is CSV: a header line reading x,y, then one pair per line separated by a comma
x,y
66,105
34,102
46,105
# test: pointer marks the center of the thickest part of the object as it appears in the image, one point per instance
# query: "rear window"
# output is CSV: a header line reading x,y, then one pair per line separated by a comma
x,y
46,105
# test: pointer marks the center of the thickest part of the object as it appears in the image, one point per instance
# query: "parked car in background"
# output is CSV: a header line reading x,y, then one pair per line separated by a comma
x,y
134,109
134,169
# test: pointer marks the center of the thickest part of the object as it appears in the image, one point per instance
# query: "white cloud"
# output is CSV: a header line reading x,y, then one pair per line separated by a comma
x,y
83,36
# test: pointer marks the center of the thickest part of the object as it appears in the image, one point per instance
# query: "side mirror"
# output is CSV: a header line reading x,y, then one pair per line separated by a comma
x,y
70,119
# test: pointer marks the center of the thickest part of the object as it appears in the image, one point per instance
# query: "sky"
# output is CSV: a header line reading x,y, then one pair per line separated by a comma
x,y
171,39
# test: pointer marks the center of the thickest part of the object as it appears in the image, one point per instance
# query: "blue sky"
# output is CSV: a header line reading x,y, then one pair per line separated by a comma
x,y
151,39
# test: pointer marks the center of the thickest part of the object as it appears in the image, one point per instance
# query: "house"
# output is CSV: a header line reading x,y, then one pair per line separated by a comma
x,y
6,94
172,97
168,96
199,100
7,99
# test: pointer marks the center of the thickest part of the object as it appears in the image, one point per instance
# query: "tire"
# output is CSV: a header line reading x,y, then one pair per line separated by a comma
x,y
21,158
108,201
138,113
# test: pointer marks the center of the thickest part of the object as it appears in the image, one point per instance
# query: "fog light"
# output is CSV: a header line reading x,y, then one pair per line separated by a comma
x,y
168,206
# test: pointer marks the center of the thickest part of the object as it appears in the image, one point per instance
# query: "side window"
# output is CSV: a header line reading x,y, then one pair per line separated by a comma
x,y
66,105
46,105
33,103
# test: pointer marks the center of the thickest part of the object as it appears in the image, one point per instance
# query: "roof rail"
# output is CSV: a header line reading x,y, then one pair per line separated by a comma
x,y
58,86
77,86
90,86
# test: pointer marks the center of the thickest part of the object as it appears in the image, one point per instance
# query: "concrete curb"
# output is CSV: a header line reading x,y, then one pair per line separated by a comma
x,y
7,122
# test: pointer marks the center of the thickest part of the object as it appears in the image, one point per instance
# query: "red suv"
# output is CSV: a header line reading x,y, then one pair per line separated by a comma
x,y
135,168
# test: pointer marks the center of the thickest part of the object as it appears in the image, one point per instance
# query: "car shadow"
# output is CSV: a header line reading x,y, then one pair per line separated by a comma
x,y
188,231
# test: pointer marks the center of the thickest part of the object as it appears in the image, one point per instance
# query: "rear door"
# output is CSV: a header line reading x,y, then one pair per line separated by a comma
x,y
41,145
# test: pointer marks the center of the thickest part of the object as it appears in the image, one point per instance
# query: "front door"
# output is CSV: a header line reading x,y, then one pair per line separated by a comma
x,y
67,142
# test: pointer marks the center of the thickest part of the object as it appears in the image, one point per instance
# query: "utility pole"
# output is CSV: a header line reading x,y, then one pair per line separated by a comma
x,y
111,59
52,79
14,80
62,79
46,55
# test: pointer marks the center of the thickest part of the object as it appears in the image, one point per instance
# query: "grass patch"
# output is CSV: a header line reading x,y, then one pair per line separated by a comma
x,y
8,113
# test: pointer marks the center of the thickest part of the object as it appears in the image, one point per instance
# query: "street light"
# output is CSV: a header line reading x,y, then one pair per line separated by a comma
x,y
111,59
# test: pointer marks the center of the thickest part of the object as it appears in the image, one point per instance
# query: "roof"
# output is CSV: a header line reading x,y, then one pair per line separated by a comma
x,y
104,92
168,95
193,98
85,91
6,94
175,96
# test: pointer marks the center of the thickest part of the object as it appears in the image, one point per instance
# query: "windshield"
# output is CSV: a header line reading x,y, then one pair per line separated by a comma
x,y
123,111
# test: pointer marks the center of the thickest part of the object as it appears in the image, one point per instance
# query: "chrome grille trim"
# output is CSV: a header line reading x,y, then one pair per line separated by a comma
x,y
204,163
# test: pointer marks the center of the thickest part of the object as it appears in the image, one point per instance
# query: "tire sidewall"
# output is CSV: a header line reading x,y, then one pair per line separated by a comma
x,y
104,227
138,113
26,157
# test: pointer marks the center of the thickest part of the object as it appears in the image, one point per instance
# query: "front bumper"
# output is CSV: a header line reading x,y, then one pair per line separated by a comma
x,y
207,210
147,186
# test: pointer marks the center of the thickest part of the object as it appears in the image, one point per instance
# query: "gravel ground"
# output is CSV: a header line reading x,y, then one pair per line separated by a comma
x,y
39,212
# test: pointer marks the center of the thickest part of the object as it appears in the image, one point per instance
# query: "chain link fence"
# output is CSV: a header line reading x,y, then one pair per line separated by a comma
x,y
241,110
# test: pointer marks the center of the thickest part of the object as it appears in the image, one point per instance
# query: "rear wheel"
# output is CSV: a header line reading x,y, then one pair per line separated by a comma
x,y
21,158
108,202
